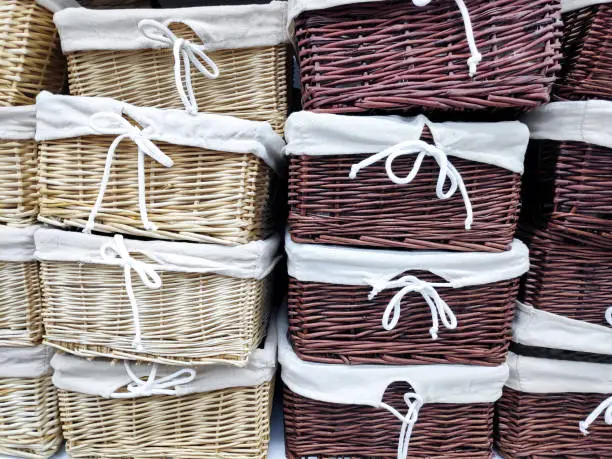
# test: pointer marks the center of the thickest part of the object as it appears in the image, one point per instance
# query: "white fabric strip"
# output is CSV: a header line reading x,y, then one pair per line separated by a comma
x,y
17,244
219,27
57,5
571,5
533,327
18,123
25,362
500,144
588,121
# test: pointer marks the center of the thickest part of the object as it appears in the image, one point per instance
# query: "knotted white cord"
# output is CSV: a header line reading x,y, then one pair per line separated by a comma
x,y
112,123
606,406
440,310
185,53
423,149
414,403
115,252
609,315
139,387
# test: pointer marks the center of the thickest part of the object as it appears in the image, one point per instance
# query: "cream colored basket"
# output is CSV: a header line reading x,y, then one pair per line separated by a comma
x,y
161,174
146,57
122,410
29,417
165,302
20,299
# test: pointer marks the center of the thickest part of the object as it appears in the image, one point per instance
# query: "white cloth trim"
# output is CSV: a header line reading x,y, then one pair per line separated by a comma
x,y
63,117
18,123
17,244
571,5
580,121
219,27
57,5
533,327
25,362
104,378
501,144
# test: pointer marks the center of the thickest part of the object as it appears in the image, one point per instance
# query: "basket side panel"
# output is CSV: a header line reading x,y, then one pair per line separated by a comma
x,y
18,188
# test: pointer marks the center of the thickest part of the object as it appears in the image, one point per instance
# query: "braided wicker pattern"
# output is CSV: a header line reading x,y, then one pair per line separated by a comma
x,y
537,426
18,189
322,430
20,305
226,424
29,418
30,57
192,319
390,56
114,4
327,207
206,196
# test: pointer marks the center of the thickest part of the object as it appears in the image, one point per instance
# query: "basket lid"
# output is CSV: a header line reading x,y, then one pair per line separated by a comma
x,y
25,362
571,5
57,5
18,123
17,244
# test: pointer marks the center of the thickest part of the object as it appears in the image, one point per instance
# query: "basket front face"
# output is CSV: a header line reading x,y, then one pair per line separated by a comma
x,y
328,207
338,324
205,196
29,418
394,56
30,58
546,425
20,305
18,188
230,423
192,319
315,429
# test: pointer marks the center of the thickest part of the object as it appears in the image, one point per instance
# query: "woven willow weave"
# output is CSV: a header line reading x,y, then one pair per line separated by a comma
x,y
18,189
206,196
20,304
192,319
29,418
30,55
226,424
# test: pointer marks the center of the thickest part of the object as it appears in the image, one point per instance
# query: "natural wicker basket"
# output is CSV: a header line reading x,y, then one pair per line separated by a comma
x,y
383,56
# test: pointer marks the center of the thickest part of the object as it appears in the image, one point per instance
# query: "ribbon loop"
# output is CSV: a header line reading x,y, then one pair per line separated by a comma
x,y
152,386
606,406
414,402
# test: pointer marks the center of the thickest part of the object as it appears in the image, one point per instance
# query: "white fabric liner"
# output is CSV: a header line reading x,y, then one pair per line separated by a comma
x,y
501,144
546,376
580,121
533,327
17,244
18,123
57,5
570,5
63,117
103,377
25,362
219,27
248,261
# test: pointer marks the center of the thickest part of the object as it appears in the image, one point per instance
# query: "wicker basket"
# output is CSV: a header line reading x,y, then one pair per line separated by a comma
x,y
29,417
460,194
172,303
20,299
205,178
216,412
389,56
238,54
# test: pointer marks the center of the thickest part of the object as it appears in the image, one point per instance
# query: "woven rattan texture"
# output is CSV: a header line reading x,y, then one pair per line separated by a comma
x,y
539,426
29,418
587,53
30,56
20,304
206,196
322,430
328,207
18,189
390,56
193,318
225,424
114,4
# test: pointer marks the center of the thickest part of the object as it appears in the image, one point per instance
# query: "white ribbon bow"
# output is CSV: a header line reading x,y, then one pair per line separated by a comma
x,y
115,252
112,123
414,402
139,387
475,57
423,149
440,310
606,406
185,54
609,315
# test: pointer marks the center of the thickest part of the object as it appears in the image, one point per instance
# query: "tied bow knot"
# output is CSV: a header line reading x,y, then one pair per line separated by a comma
x,y
152,386
414,402
605,406
421,149
185,54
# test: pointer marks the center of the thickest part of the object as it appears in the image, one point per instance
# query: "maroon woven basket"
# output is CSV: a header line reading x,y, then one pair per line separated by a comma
x,y
321,430
587,55
395,56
